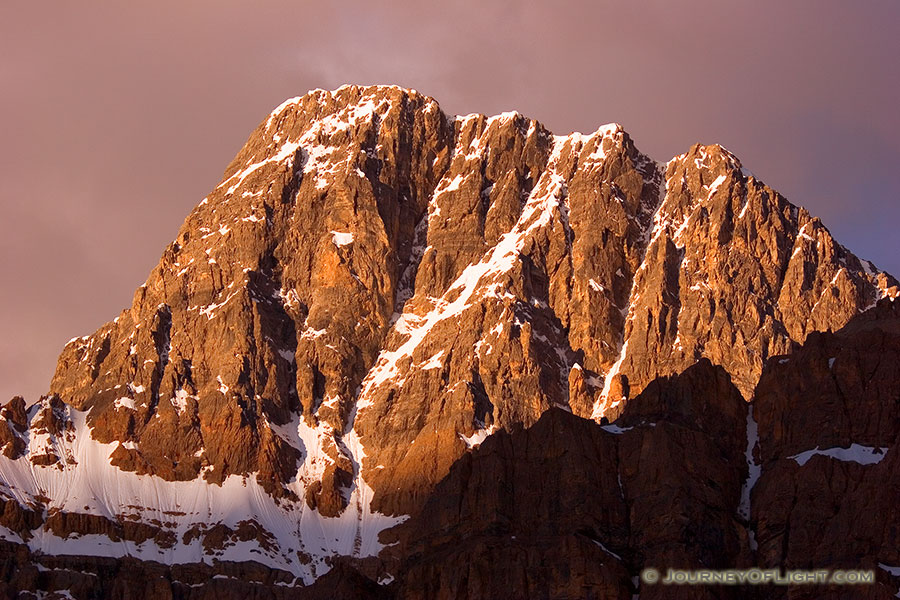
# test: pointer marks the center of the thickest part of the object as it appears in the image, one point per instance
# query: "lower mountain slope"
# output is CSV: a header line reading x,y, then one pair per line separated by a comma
x,y
690,476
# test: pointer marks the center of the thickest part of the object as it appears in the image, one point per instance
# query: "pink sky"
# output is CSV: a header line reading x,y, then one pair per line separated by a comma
x,y
116,121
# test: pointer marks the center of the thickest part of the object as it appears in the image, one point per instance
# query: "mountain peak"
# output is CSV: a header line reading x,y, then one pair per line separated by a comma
x,y
373,288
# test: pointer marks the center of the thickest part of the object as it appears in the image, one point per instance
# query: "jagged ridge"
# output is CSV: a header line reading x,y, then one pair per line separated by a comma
x,y
372,273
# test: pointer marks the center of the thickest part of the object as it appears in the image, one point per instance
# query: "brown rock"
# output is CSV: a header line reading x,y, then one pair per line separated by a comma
x,y
330,494
568,508
82,578
511,521
14,412
13,423
19,519
829,432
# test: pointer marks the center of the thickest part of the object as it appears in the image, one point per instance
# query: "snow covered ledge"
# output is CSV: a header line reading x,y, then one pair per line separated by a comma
x,y
863,455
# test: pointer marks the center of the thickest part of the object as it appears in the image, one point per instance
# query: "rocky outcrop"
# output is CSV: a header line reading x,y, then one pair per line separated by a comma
x,y
511,519
13,423
274,297
20,520
682,467
376,287
572,509
26,576
47,428
65,524
734,273
829,440
802,478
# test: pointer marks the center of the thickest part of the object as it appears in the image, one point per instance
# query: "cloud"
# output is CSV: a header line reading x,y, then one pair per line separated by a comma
x,y
118,119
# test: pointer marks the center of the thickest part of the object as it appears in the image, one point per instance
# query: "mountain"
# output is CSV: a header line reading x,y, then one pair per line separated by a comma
x,y
390,338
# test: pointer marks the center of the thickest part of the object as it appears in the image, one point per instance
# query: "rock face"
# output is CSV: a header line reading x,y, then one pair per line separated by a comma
x,y
376,287
829,440
572,509
689,477
27,576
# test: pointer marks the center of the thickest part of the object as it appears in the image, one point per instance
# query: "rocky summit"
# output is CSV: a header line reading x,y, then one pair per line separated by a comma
x,y
400,354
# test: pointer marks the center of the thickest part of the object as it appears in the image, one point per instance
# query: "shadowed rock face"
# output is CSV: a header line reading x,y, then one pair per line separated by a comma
x,y
375,287
24,575
572,509
688,477
829,440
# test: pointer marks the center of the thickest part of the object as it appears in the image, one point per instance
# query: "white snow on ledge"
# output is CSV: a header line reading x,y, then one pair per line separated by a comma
x,y
478,437
607,550
341,238
435,362
864,455
124,402
617,430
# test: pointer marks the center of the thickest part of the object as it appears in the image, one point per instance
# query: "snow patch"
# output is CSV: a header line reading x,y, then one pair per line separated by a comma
x,y
435,362
895,571
754,470
93,486
453,185
744,208
180,400
607,382
341,238
863,455
310,334
803,235
607,550
869,268
124,402
716,185
210,309
478,437
615,429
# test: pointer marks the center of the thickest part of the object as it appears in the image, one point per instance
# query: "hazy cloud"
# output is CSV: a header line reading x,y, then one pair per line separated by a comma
x,y
116,120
